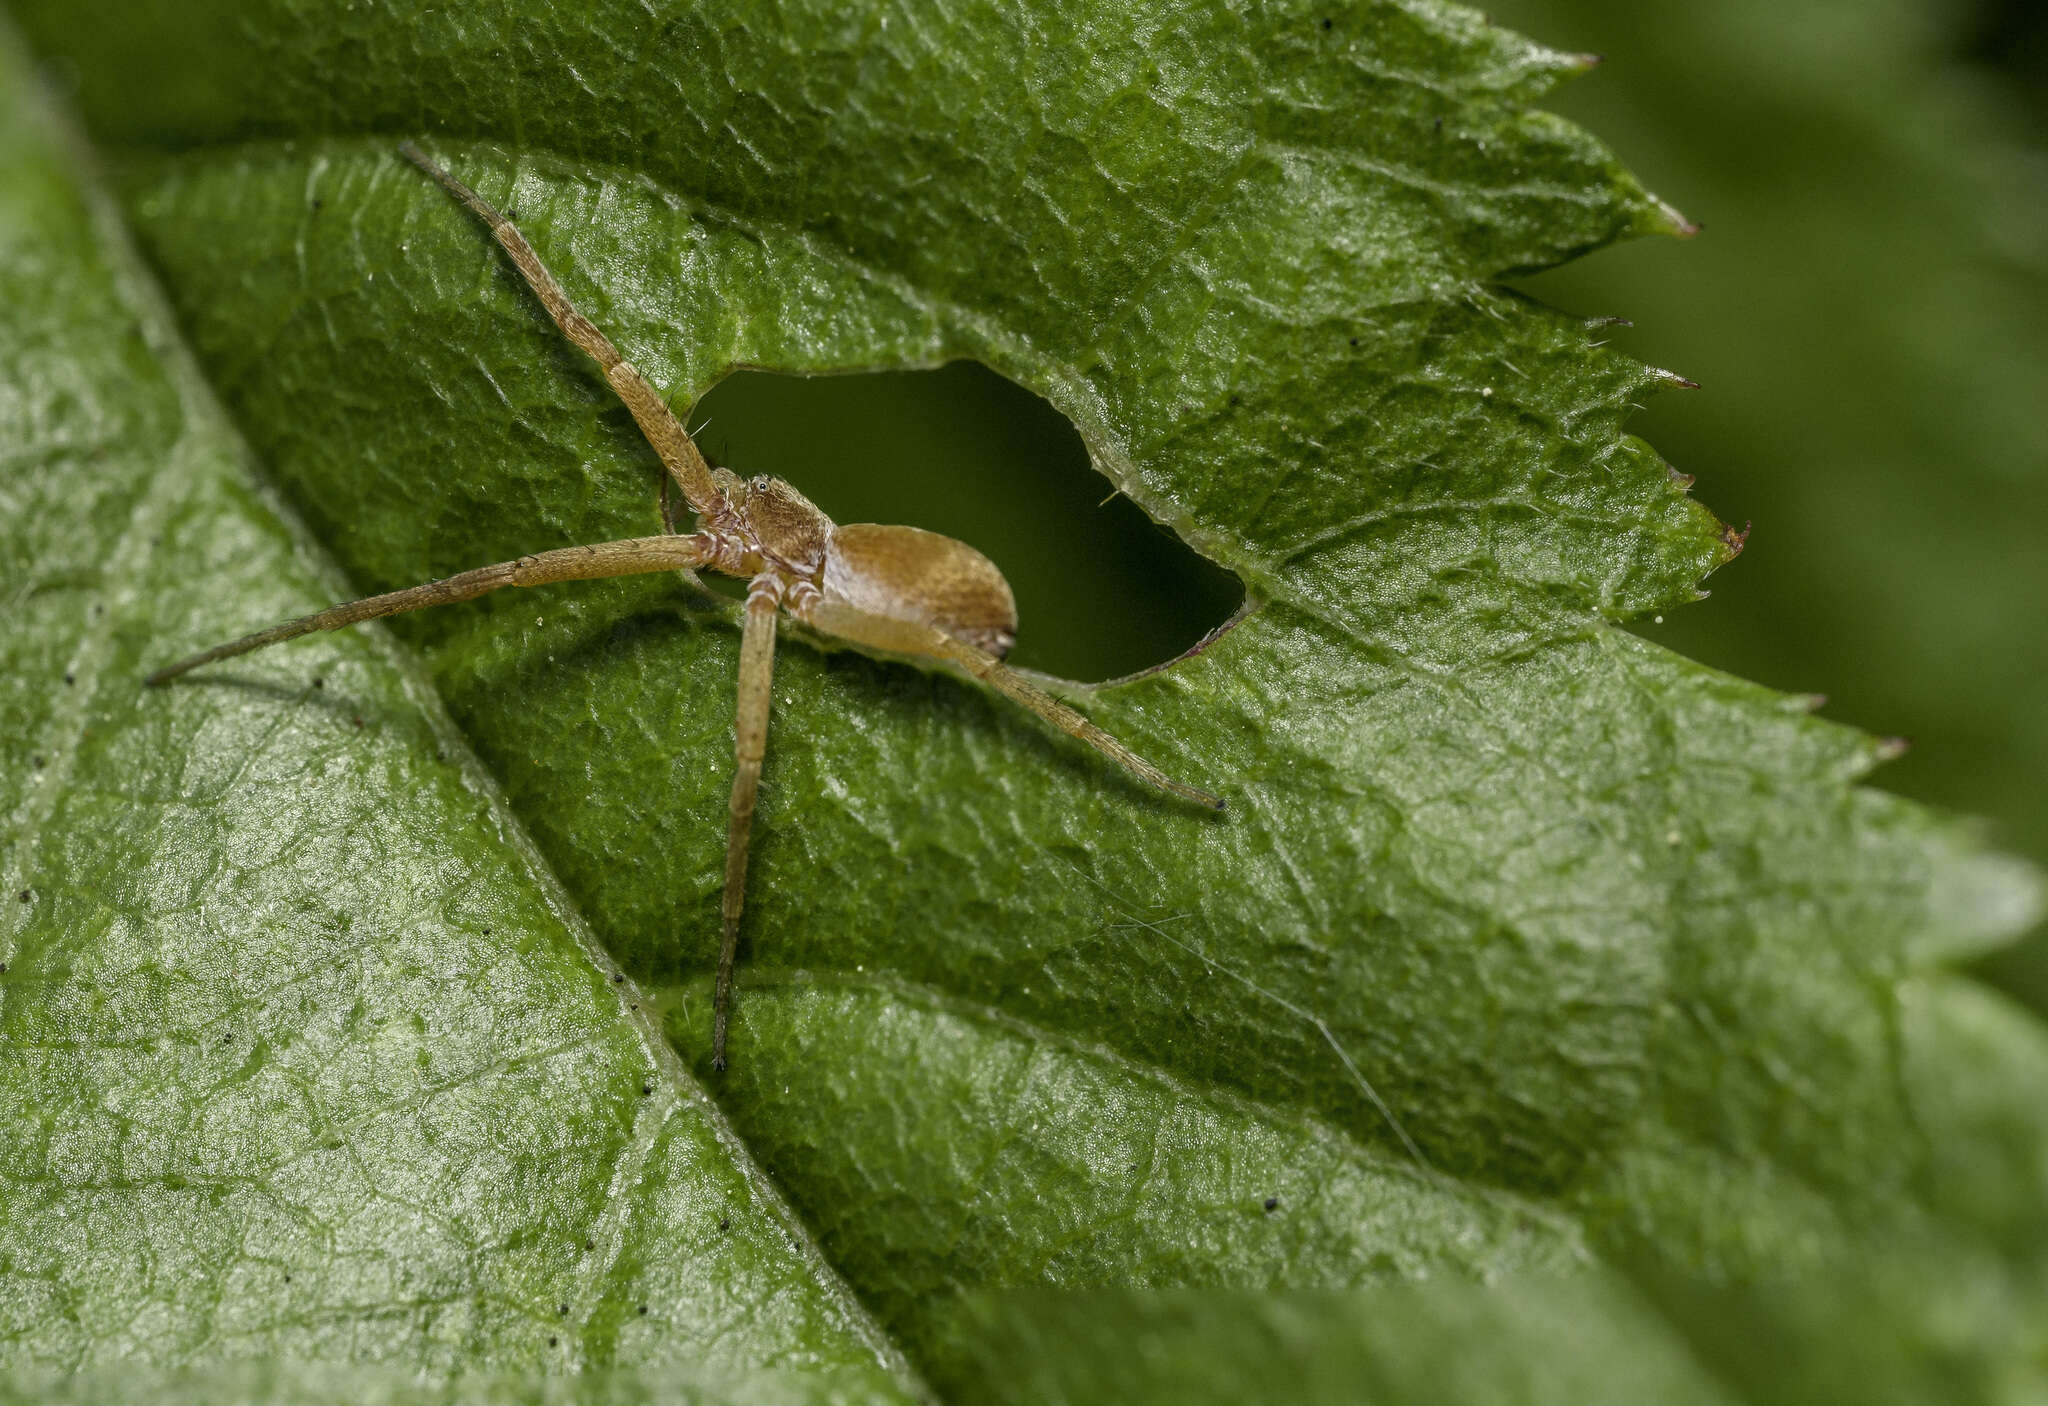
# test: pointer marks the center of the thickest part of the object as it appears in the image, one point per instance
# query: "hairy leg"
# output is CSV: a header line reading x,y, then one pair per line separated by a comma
x,y
663,430
907,637
750,745
630,556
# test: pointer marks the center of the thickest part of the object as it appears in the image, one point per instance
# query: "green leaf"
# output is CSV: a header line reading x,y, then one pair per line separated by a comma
x,y
1443,1342
1869,313
305,1052
255,1382
1526,950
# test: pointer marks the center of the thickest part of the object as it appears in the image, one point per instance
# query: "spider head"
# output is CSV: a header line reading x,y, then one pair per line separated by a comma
x,y
790,529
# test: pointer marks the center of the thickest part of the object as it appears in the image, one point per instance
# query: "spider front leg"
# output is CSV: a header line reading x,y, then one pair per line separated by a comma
x,y
628,557
750,745
693,474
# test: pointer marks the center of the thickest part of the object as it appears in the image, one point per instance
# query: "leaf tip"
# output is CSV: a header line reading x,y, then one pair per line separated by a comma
x,y
1666,218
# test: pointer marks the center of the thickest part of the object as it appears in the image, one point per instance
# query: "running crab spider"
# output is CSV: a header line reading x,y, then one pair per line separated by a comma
x,y
901,590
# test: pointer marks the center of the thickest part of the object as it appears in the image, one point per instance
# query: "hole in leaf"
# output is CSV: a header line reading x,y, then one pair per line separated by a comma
x,y
1102,590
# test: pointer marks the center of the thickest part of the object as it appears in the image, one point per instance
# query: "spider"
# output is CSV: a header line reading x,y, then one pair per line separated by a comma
x,y
900,590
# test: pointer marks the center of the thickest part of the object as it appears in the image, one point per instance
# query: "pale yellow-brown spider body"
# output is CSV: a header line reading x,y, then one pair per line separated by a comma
x,y
898,589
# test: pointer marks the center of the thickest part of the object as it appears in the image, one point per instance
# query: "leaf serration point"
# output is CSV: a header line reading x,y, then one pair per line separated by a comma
x,y
1667,218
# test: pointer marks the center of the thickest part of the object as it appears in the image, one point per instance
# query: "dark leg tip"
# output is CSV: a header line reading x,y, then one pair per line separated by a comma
x,y
718,1063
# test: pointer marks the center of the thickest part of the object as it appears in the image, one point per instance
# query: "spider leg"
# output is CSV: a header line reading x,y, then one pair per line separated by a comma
x,y
908,637
685,463
750,744
630,556
668,506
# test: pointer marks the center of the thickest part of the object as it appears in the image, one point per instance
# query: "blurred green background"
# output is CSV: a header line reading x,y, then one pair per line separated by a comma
x,y
1866,307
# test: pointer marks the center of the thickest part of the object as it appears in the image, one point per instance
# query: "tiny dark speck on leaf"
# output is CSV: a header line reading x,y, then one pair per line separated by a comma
x,y
40,763
3,968
1272,1203
725,1222
554,1342
319,682
24,895
646,1089
70,679
643,1310
287,1279
317,203
618,976
1329,24
357,721
562,1309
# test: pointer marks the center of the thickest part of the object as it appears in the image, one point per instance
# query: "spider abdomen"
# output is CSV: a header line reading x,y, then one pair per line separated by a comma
x,y
907,573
